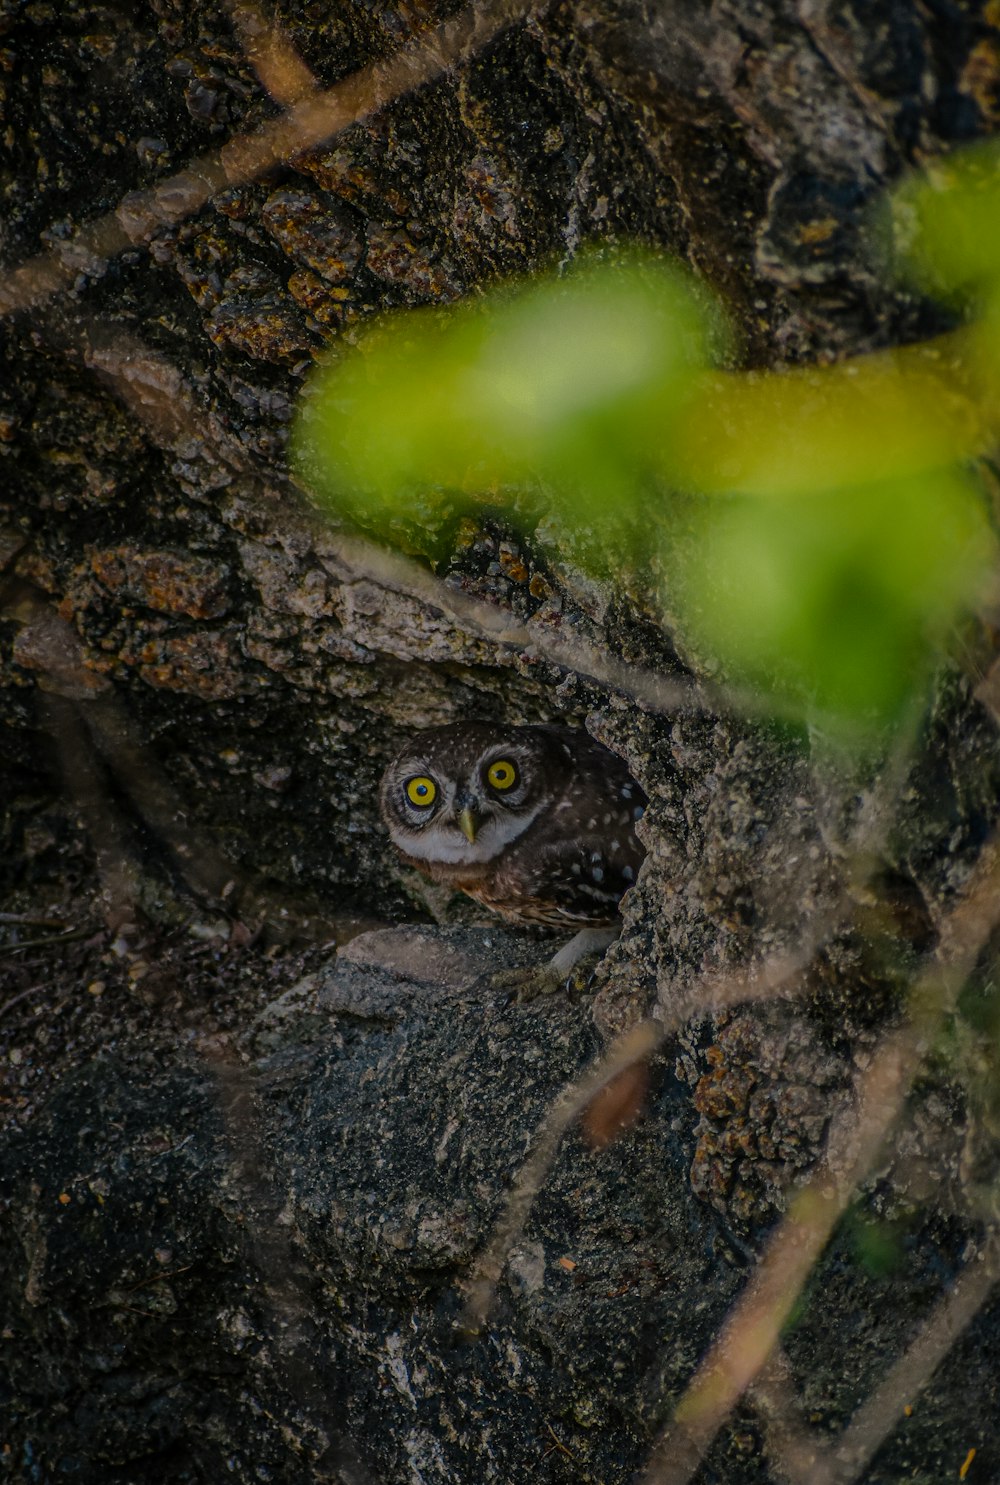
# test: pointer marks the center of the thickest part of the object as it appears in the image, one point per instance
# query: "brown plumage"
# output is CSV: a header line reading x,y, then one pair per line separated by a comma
x,y
536,823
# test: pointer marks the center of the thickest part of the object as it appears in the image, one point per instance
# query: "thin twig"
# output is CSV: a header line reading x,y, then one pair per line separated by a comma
x,y
314,118
31,921
9,1005
648,687
704,999
636,1045
557,1444
51,938
751,1330
877,1417
155,391
791,1449
268,49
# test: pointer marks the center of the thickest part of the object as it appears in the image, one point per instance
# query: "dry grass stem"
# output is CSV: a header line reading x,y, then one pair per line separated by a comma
x,y
750,1332
276,62
875,1419
791,1449
312,118
636,1045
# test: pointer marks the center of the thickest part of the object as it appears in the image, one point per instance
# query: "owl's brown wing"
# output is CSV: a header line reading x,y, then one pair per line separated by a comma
x,y
559,881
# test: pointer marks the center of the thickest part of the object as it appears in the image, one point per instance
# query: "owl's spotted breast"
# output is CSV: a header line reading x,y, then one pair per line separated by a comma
x,y
536,823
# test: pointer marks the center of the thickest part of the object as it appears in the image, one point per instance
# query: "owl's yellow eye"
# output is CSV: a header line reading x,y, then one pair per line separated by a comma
x,y
421,791
502,774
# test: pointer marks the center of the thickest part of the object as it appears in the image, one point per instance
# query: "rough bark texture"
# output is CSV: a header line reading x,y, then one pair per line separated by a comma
x,y
238,1200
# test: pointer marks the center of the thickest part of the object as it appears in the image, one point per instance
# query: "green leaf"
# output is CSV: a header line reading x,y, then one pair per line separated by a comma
x,y
943,224
834,599
881,416
836,535
573,379
878,1245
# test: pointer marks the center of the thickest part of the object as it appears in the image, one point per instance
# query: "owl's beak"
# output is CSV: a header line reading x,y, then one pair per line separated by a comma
x,y
468,824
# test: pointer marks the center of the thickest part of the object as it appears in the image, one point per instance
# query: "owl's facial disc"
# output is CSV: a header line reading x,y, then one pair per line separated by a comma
x,y
463,795
462,828
465,819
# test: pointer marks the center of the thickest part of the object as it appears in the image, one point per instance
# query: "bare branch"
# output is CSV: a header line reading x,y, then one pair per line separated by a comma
x,y
14,1000
875,1419
801,1458
278,65
751,1330
312,118
791,1450
636,1045
155,391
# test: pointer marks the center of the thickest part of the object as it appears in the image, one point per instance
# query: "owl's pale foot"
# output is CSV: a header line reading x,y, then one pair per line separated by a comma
x,y
569,969
588,942
527,982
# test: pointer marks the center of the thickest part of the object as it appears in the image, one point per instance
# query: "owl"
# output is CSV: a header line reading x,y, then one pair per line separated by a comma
x,y
536,823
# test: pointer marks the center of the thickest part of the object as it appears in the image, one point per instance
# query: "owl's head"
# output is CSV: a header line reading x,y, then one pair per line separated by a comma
x,y
460,795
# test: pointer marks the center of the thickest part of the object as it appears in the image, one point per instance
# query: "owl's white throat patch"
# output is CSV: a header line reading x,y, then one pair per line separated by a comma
x,y
444,844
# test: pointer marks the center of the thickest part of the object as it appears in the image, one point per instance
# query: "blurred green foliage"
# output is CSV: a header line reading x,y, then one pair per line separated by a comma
x,y
942,226
941,232
574,379
968,1050
839,595
831,529
877,1245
